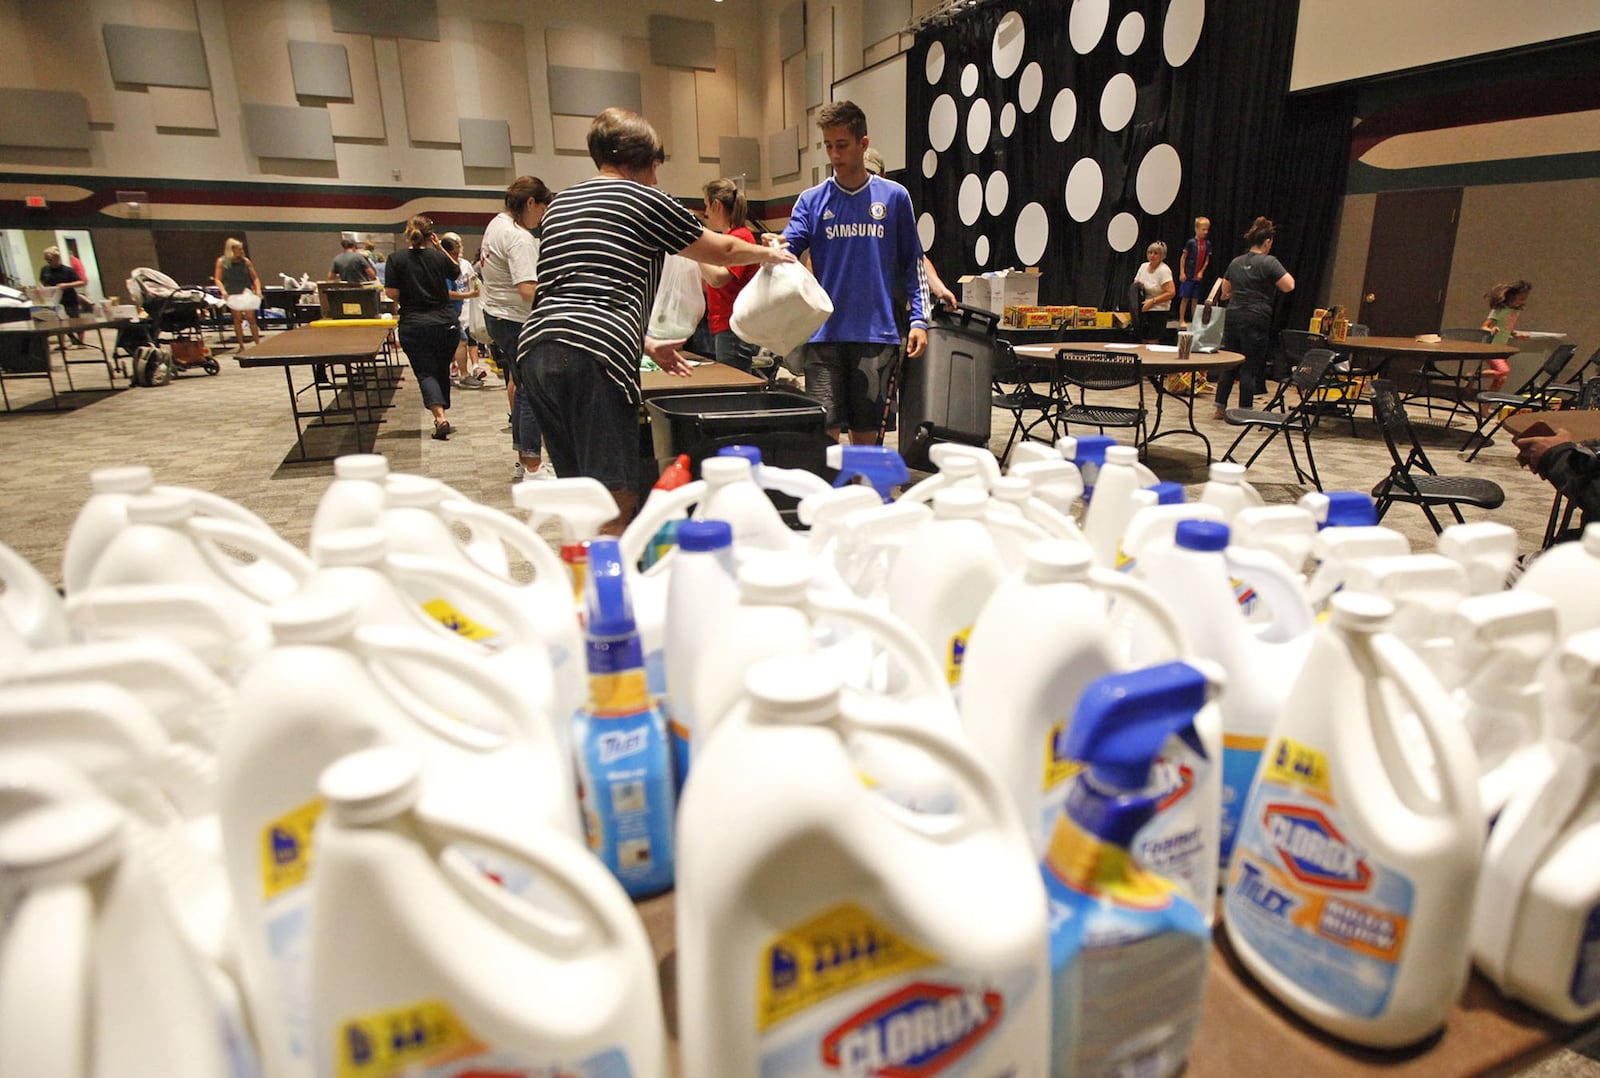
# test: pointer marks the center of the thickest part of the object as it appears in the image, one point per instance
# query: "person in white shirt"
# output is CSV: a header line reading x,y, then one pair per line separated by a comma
x,y
508,272
1155,282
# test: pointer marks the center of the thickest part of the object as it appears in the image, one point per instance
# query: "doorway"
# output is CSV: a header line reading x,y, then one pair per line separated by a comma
x,y
1408,261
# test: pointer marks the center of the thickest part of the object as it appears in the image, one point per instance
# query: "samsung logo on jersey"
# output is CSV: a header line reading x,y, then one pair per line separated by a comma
x,y
844,232
920,1030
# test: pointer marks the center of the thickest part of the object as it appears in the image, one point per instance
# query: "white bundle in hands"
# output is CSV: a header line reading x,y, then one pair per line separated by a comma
x,y
780,308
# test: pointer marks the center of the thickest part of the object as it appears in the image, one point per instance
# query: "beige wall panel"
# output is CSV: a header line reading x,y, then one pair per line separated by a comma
x,y
656,87
14,27
362,117
66,52
569,48
794,89
571,133
163,14
847,44
716,98
427,76
182,109
889,46
502,75
258,41
1348,259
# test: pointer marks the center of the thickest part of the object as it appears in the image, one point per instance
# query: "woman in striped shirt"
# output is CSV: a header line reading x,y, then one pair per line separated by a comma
x,y
604,241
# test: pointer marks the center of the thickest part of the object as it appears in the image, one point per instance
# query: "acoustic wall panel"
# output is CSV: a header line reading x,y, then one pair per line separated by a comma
x,y
415,19
816,87
362,116
58,49
428,80
741,157
783,152
791,29
683,43
569,48
46,119
178,109
257,34
716,102
794,90
321,69
584,92
485,143
668,95
571,133
501,52
289,132
883,18
149,56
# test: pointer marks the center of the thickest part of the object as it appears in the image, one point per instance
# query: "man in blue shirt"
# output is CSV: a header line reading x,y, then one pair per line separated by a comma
x,y
864,248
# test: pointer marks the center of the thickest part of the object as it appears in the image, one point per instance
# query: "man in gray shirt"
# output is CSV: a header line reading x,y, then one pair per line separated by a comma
x,y
351,267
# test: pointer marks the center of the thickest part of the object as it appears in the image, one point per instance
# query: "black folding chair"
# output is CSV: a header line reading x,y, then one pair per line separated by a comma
x,y
1531,396
1026,398
1086,373
1280,416
1562,507
1573,387
1412,478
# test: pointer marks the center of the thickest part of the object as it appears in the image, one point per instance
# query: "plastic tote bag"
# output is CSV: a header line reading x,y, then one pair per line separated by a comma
x,y
780,308
680,300
244,301
1206,325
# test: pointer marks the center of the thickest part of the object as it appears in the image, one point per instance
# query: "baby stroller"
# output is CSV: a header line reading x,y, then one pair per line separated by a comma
x,y
175,315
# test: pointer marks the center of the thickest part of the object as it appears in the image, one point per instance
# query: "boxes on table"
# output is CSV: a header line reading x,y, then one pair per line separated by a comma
x,y
1047,317
1000,289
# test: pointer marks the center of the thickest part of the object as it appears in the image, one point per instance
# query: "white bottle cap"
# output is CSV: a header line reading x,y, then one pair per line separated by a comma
x,y
793,689
371,786
413,491
131,479
361,466
69,840
958,468
1360,613
1012,488
1055,561
720,471
1224,471
349,546
1121,454
312,619
159,509
773,582
961,503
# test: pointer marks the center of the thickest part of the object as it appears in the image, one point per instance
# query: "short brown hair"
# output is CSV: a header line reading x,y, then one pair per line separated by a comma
x,y
843,114
727,194
1261,230
624,140
526,189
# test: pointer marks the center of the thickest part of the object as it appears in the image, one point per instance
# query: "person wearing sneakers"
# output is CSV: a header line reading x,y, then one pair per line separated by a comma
x,y
419,281
508,270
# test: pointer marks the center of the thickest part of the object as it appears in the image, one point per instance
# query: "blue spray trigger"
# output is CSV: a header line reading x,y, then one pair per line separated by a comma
x,y
882,467
752,453
1168,493
1123,720
605,592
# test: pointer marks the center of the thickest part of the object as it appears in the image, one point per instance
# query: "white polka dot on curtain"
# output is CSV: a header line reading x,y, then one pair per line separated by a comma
x,y
969,80
1030,87
1032,234
1130,33
930,164
933,64
1123,232
1085,187
1117,102
1008,119
1009,36
979,126
925,231
1086,25
980,251
942,123
1180,33
969,199
1158,178
1063,115
996,193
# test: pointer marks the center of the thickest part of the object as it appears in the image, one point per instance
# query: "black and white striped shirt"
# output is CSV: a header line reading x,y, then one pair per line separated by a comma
x,y
602,245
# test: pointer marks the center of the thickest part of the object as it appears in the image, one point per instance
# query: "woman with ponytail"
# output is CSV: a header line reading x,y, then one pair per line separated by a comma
x,y
418,279
725,213
1250,285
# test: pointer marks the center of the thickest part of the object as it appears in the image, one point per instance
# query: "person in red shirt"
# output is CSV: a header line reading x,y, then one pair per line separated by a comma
x,y
725,212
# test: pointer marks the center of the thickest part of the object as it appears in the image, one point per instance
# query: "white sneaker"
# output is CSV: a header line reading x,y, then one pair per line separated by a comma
x,y
471,381
545,471
519,472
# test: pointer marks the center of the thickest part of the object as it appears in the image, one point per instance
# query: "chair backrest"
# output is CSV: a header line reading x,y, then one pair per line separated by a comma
x,y
1589,395
1395,424
1297,342
1100,370
1466,333
1549,370
1312,370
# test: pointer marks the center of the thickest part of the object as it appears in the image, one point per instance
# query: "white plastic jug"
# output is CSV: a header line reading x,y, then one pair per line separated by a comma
x,y
96,978
1568,574
1153,528
196,617
1287,532
1056,482
868,542
1007,519
1350,890
700,597
416,520
1113,503
1486,549
732,494
29,604
409,935
356,498
1535,933
1425,589
324,690
907,937
1228,489
1337,549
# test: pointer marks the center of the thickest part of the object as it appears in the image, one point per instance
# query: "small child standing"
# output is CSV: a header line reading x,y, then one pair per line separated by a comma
x,y
1192,268
1505,303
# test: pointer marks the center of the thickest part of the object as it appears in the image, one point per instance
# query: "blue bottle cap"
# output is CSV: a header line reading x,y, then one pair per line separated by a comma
x,y
1168,493
752,453
880,465
605,592
702,535
1201,535
1091,449
1350,509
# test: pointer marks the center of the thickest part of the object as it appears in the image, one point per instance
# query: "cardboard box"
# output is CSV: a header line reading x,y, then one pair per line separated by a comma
x,y
1001,289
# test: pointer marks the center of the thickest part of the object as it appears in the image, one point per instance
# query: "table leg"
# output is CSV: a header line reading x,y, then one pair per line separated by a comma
x,y
1156,433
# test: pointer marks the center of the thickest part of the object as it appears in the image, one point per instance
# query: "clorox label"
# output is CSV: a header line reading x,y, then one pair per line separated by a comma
x,y
1308,897
955,654
427,1040
457,622
845,995
286,849
1176,843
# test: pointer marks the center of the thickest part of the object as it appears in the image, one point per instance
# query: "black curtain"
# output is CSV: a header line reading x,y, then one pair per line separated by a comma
x,y
1246,148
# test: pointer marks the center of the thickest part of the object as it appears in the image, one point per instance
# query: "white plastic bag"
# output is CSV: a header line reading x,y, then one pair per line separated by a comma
x,y
780,308
680,300
244,301
477,328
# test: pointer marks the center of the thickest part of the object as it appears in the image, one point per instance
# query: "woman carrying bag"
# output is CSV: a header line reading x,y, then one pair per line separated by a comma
x,y
236,278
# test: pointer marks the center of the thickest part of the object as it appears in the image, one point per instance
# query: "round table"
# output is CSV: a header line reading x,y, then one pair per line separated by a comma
x,y
1387,349
1155,361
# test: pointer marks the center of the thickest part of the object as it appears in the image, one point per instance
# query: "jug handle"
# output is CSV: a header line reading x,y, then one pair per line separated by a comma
x,y
30,593
925,679
1279,586
1453,756
216,506
264,544
670,503
515,534
1142,595
1052,520
96,613
387,644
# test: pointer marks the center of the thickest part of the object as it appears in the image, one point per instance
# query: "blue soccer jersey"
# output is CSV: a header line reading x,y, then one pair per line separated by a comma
x,y
864,250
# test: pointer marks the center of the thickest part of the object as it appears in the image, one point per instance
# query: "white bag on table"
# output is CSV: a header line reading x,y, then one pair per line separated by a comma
x,y
680,300
780,308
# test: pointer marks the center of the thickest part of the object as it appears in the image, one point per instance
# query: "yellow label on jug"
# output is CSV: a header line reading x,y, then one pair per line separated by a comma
x,y
841,949
286,849
1294,764
397,1041
955,655
1057,767
457,622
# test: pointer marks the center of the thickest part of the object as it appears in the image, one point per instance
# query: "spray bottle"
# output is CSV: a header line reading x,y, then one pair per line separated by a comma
x,y
580,506
666,537
1127,949
878,466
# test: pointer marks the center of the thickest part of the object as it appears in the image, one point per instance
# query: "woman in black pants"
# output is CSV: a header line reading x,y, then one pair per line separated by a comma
x,y
418,279
1250,285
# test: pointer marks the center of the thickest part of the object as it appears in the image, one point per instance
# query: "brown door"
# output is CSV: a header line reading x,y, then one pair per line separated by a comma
x,y
1408,262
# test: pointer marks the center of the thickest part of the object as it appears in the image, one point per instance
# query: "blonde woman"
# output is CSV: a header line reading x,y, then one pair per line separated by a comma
x,y
235,275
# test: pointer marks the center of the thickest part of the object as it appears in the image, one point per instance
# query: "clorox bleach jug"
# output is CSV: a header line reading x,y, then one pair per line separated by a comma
x,y
945,574
1568,574
1285,531
424,966
417,521
733,494
1350,891
958,466
356,498
1485,549
324,690
30,604
96,979
700,596
908,944
1228,489
1113,503
1536,926
624,759
1425,589
1154,528
1195,577
1127,951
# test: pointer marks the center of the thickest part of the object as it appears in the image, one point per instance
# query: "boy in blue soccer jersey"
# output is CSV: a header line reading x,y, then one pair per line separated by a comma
x,y
863,240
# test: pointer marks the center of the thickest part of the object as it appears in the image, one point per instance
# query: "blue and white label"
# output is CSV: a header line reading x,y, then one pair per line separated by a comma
x,y
1585,989
1241,756
628,797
